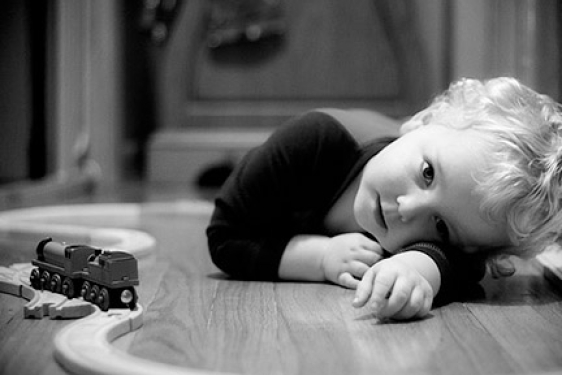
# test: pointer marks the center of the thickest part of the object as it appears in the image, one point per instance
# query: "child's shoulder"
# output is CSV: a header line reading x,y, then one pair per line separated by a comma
x,y
340,125
313,126
317,121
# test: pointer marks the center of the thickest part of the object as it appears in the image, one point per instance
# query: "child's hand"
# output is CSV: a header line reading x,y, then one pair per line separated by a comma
x,y
394,290
347,258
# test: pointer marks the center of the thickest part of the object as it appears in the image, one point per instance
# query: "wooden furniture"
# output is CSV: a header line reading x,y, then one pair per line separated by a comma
x,y
365,54
74,107
197,319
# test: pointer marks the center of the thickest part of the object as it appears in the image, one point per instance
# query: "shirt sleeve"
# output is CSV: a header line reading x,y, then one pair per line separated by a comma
x,y
275,191
459,271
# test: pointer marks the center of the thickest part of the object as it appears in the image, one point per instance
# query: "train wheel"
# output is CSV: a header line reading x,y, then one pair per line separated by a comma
x,y
68,288
129,298
103,299
35,278
85,291
45,280
56,283
94,293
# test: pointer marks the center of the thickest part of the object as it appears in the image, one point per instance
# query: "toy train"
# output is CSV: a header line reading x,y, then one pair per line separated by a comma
x,y
105,278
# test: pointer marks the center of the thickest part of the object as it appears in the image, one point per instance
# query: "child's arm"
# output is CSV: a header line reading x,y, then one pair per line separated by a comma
x,y
400,287
342,259
277,191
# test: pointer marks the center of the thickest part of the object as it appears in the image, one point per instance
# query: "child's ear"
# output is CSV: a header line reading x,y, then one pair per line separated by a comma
x,y
501,266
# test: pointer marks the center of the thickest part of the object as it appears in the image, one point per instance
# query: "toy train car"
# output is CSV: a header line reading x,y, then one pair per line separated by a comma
x,y
105,278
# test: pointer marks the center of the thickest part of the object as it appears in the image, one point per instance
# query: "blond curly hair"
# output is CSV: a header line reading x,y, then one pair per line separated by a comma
x,y
523,185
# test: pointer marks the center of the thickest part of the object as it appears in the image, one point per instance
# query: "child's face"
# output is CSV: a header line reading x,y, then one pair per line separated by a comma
x,y
421,188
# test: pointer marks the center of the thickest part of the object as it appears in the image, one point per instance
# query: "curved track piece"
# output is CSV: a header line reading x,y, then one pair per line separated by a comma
x,y
14,281
108,226
84,347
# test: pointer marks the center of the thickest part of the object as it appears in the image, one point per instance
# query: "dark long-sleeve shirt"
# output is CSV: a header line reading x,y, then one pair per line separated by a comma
x,y
286,187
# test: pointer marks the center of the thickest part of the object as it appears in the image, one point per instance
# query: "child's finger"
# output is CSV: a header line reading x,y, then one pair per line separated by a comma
x,y
383,284
399,297
375,247
413,306
364,288
346,280
371,246
428,301
357,269
368,257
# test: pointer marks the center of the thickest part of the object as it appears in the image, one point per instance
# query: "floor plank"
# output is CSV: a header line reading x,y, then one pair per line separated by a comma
x,y
196,317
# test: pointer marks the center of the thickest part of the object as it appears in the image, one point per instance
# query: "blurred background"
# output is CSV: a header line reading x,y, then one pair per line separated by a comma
x,y
121,95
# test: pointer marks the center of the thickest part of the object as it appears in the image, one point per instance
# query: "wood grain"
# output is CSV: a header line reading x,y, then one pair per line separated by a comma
x,y
197,318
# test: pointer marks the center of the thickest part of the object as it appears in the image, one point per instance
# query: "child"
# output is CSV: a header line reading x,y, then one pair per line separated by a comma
x,y
475,175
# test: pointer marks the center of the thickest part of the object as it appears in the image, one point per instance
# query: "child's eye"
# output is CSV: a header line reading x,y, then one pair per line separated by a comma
x,y
442,230
427,172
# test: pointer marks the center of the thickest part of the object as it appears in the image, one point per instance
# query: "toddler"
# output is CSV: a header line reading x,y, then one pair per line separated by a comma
x,y
473,177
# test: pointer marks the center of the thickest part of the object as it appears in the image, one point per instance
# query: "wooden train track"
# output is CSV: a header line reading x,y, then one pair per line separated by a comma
x,y
80,345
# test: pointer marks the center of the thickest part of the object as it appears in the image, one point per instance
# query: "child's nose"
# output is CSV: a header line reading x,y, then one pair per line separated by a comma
x,y
413,206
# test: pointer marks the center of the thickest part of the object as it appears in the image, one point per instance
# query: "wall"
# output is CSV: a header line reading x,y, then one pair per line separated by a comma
x,y
517,38
477,38
487,38
434,23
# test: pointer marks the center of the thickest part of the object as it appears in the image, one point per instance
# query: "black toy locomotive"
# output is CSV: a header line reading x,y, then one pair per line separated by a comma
x,y
105,278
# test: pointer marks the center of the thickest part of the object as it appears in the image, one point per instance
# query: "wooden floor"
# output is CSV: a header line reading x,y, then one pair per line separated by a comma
x,y
197,318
